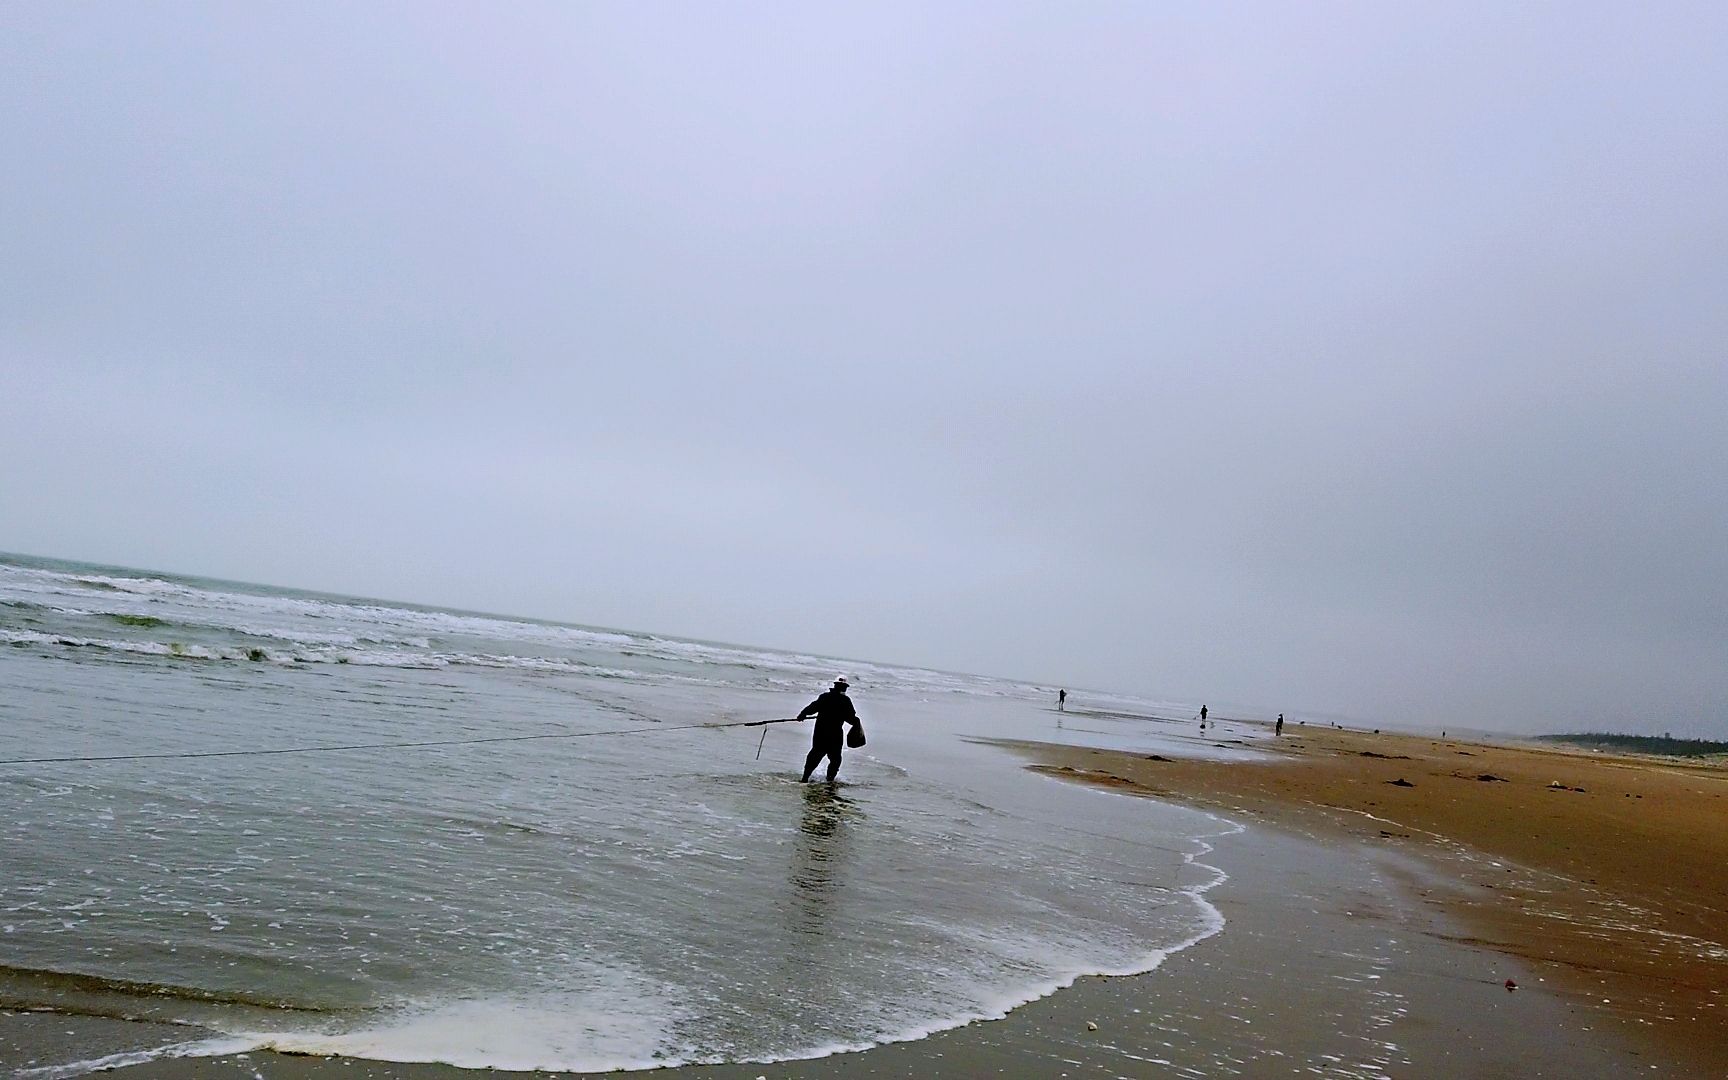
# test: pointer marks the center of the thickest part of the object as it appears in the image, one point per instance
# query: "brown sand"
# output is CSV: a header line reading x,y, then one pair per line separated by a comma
x,y
1609,873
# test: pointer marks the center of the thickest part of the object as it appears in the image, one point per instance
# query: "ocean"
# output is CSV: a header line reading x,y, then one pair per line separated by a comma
x,y
578,867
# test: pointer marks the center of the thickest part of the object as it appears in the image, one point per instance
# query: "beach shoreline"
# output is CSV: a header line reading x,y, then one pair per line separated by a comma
x,y
1608,874
1354,959
1307,941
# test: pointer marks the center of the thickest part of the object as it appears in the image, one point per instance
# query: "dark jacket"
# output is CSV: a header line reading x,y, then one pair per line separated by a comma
x,y
833,710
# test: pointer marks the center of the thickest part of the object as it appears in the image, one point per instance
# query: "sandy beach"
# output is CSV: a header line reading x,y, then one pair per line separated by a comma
x,y
1608,874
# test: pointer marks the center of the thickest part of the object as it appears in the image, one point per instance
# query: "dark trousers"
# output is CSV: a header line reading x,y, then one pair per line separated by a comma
x,y
826,748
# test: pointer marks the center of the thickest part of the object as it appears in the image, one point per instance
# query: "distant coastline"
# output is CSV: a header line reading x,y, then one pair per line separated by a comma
x,y
1659,745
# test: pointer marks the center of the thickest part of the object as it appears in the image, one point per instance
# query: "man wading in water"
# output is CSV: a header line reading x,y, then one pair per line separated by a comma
x,y
833,711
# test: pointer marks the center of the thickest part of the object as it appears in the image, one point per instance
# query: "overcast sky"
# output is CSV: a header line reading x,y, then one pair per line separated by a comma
x,y
1353,357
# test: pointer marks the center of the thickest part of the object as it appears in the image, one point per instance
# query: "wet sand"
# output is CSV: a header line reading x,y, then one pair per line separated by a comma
x,y
1607,874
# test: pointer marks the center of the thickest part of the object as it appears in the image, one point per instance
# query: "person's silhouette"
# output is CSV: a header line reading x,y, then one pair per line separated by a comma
x,y
833,711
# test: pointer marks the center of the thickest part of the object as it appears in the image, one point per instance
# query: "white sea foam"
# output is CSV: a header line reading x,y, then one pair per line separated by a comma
x,y
142,586
604,1033
217,1047
12,636
625,1024
621,1022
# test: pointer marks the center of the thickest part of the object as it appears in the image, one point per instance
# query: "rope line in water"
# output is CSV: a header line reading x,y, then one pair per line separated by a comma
x,y
644,730
385,746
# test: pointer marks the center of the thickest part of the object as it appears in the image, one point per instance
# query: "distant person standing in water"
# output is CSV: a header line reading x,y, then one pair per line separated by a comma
x,y
1202,718
1279,730
1061,699
833,711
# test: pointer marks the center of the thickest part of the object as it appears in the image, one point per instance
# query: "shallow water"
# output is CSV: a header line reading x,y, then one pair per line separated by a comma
x,y
575,900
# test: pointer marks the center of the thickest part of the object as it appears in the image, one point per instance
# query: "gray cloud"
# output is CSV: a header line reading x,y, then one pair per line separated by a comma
x,y
1357,359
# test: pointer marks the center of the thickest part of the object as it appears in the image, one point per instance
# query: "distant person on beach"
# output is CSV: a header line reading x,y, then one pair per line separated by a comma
x,y
1202,714
1061,699
833,711
1279,730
